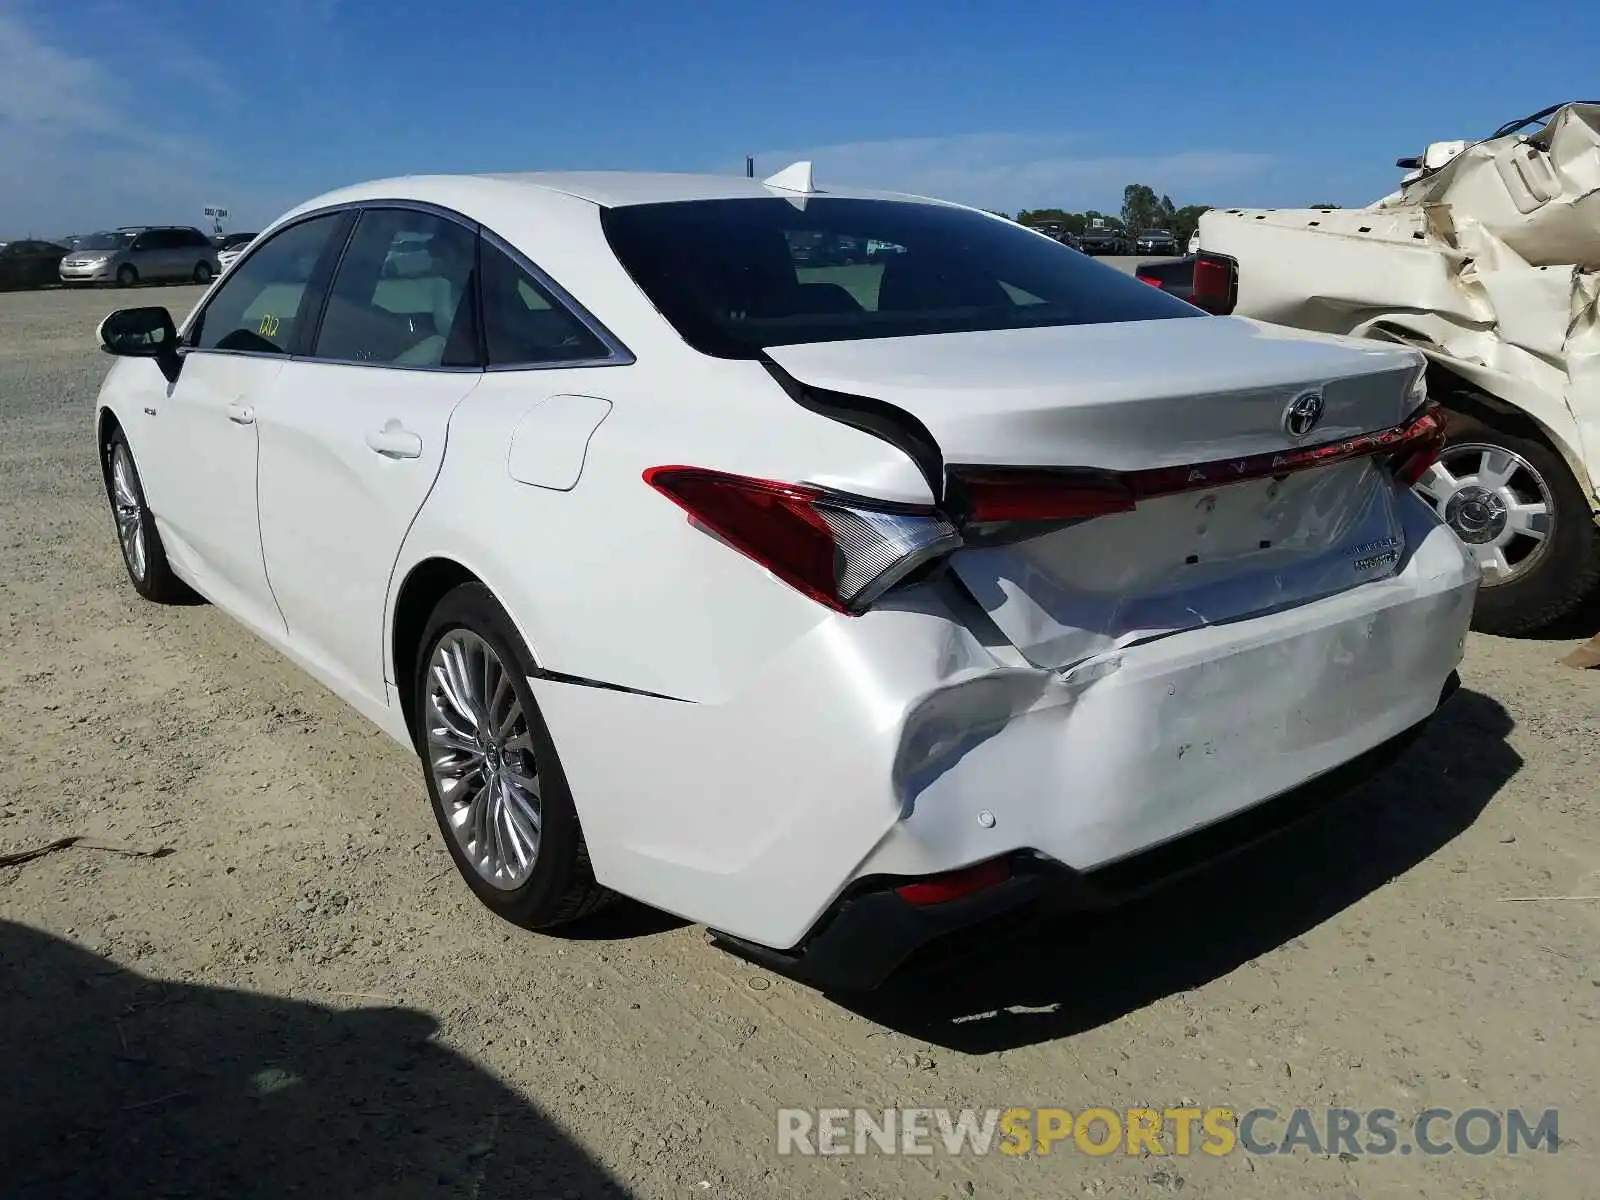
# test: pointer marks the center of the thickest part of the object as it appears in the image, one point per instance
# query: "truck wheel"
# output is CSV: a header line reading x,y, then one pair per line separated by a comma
x,y
1514,503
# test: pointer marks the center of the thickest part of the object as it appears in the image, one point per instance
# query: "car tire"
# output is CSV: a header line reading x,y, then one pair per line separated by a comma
x,y
203,273
465,726
143,555
1553,576
127,275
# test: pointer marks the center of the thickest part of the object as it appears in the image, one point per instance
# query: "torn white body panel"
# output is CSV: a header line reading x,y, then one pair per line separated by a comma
x,y
916,729
1488,263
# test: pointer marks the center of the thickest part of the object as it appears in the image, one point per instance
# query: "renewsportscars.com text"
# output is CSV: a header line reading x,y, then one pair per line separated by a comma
x,y
1346,1132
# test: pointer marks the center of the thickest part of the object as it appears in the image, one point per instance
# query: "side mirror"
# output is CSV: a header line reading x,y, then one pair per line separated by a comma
x,y
143,333
139,333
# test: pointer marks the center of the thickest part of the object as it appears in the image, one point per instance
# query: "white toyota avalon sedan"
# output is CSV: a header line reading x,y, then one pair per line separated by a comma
x,y
835,600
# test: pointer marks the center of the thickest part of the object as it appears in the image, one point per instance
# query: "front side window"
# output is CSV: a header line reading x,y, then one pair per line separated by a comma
x,y
403,294
523,324
735,276
262,302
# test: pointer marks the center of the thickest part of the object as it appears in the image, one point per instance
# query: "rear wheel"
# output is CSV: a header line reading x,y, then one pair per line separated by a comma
x,y
498,791
142,552
127,276
202,272
1515,505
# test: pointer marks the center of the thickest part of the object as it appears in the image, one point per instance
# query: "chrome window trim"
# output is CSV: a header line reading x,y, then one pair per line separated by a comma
x,y
186,351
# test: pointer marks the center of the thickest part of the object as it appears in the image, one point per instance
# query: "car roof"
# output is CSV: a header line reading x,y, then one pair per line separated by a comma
x,y
608,189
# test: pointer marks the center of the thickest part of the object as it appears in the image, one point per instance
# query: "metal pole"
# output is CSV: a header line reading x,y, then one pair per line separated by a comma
x,y
749,166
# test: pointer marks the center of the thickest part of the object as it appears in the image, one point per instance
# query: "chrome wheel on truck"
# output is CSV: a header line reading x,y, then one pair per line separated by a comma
x,y
1516,506
1496,502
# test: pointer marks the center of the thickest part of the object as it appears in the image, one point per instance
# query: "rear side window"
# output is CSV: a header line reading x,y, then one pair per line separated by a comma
x,y
260,304
523,324
735,276
403,293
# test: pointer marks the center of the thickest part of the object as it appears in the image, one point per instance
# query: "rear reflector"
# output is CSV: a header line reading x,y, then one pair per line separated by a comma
x,y
953,885
842,551
1007,494
1155,283
1025,494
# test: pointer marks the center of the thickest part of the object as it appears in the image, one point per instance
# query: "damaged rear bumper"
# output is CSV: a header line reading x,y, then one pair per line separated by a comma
x,y
872,930
911,742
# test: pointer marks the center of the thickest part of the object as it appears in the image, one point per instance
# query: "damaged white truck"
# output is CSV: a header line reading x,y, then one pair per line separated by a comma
x,y
1487,259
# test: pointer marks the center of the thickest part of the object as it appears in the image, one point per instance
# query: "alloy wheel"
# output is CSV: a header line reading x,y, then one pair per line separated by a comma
x,y
480,756
128,507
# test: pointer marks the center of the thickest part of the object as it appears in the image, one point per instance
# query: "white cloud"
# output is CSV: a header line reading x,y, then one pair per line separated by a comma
x,y
73,149
1010,171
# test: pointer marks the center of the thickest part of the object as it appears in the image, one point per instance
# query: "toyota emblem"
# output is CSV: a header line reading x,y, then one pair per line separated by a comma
x,y
1303,414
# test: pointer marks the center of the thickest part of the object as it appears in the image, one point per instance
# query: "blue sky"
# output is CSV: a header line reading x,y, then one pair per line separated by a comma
x,y
114,112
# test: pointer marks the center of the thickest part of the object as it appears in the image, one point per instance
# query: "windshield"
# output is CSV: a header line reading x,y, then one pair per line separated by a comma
x,y
103,241
1155,233
726,273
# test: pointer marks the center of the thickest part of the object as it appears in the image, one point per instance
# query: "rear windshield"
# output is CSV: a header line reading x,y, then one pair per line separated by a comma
x,y
736,276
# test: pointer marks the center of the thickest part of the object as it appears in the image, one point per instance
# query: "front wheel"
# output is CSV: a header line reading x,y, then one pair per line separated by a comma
x,y
127,276
1515,505
142,552
494,778
202,272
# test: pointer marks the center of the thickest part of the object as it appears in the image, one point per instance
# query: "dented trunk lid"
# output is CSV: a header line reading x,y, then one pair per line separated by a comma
x,y
1138,397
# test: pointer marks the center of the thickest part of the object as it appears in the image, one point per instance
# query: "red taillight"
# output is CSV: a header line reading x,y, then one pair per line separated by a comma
x,y
953,885
841,551
1014,494
1155,283
1423,448
1216,281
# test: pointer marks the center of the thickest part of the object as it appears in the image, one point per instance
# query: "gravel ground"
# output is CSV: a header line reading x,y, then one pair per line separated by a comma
x,y
292,993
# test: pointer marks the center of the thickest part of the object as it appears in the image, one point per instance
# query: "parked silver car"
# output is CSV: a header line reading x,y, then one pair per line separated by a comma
x,y
230,246
141,254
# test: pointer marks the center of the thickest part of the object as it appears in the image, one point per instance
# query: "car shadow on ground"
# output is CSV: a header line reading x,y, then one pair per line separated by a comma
x,y
1058,976
621,920
119,1085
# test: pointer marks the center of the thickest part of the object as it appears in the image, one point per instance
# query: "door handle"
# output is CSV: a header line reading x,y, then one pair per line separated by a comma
x,y
394,440
241,414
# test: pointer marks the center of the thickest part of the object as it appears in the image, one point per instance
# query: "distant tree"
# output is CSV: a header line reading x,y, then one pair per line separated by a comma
x,y
1141,207
1186,220
1327,206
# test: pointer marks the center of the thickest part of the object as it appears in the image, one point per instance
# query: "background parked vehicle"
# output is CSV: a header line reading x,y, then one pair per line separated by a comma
x,y
1103,239
141,254
1486,259
1156,241
230,246
29,264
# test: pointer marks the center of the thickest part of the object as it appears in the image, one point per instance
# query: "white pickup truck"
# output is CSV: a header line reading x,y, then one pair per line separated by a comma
x,y
1487,259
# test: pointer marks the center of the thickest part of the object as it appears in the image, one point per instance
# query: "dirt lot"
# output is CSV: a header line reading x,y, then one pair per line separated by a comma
x,y
297,996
